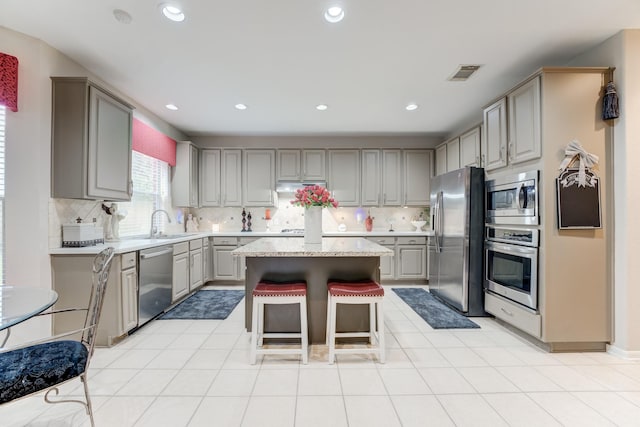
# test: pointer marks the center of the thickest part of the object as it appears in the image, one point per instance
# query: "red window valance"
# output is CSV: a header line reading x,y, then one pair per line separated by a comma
x,y
9,81
147,140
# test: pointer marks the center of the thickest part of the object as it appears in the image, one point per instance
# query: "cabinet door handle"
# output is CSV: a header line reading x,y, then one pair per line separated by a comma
x,y
478,161
482,161
510,151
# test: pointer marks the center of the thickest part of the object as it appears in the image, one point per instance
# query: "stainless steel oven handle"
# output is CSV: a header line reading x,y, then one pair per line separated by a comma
x,y
522,196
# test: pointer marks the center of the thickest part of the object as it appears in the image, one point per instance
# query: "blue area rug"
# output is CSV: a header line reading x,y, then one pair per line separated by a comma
x,y
435,313
206,304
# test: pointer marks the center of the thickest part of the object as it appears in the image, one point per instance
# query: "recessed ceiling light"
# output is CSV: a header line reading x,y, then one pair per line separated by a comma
x,y
334,14
321,107
411,107
241,107
172,12
122,16
171,107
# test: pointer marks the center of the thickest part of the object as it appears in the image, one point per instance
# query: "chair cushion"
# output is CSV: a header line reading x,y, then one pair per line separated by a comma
x,y
38,367
369,288
290,289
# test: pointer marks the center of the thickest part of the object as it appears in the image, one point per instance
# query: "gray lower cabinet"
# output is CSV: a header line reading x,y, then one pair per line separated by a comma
x,y
225,266
91,142
195,264
412,262
180,282
72,278
409,261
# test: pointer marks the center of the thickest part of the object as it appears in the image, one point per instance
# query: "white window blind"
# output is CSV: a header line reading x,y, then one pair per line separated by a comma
x,y
150,192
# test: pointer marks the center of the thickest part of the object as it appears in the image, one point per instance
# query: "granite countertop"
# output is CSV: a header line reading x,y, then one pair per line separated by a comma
x,y
135,244
295,247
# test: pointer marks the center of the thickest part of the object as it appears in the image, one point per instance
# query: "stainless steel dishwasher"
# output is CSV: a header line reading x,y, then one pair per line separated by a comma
x,y
154,282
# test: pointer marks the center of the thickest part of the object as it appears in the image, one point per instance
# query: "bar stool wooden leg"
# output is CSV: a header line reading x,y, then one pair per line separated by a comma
x,y
254,331
381,340
304,332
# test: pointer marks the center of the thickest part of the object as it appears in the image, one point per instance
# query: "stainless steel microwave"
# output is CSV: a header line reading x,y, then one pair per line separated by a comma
x,y
512,199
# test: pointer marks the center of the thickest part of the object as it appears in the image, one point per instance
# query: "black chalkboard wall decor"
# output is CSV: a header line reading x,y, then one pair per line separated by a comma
x,y
578,206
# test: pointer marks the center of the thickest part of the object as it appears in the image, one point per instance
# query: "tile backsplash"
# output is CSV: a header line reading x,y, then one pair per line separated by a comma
x,y
284,215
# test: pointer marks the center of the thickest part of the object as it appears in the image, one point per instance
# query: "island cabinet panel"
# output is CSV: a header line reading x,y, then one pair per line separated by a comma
x,y
91,142
344,176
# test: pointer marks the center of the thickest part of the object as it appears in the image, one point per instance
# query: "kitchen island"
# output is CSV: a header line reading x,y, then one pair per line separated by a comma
x,y
287,259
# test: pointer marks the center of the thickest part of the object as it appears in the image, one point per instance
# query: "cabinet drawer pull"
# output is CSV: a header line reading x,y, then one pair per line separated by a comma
x,y
412,241
507,312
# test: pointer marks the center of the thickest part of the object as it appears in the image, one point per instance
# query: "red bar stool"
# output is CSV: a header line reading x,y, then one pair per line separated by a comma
x,y
278,293
367,292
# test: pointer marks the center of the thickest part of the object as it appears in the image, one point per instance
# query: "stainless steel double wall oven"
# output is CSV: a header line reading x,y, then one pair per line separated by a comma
x,y
512,238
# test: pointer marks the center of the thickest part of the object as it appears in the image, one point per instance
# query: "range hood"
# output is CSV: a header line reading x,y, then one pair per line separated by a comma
x,y
292,186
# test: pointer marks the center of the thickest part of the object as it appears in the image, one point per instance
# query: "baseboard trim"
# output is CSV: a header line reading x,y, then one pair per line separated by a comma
x,y
624,354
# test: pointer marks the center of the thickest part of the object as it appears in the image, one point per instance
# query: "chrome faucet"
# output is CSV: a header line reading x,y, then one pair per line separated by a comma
x,y
153,230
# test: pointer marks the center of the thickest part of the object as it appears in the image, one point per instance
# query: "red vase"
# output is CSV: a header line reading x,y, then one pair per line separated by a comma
x,y
368,223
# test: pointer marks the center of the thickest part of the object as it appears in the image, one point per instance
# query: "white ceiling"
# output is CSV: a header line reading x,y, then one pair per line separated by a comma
x,y
281,58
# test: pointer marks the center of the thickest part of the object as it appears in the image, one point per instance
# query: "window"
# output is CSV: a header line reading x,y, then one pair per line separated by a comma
x,y
150,192
2,133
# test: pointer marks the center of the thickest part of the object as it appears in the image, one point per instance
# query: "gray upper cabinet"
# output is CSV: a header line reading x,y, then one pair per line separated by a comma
x,y
184,176
210,177
513,136
524,122
371,178
288,165
391,177
470,148
344,176
453,154
301,165
417,177
441,159
91,142
231,177
494,138
314,165
259,177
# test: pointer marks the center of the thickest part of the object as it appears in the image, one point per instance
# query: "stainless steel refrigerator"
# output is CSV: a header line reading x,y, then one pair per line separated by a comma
x,y
456,248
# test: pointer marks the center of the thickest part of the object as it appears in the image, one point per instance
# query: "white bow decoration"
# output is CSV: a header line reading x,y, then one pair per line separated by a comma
x,y
587,161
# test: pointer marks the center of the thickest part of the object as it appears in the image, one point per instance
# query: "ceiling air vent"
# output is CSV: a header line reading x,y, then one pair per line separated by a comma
x,y
463,73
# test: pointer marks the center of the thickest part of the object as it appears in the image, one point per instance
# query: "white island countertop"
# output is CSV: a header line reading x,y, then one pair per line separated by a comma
x,y
295,247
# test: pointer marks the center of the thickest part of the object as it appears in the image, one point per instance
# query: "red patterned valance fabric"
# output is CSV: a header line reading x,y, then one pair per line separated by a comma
x,y
9,81
147,140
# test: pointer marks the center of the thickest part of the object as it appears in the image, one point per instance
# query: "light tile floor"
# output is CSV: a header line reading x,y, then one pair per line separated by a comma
x,y
196,373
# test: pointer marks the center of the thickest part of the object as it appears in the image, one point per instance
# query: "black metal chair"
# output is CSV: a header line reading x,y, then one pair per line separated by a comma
x,y
46,364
